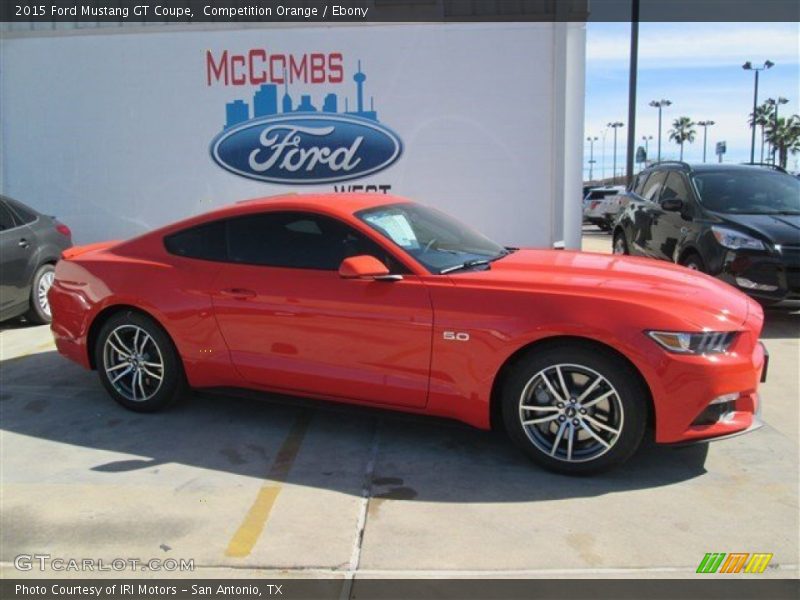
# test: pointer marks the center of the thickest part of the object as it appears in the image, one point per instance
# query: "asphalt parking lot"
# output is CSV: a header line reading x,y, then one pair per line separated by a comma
x,y
252,487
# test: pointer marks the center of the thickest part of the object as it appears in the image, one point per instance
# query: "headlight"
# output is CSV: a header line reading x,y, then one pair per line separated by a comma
x,y
707,342
736,240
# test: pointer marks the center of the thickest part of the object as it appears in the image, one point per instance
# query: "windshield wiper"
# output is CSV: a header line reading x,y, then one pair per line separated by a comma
x,y
476,262
466,265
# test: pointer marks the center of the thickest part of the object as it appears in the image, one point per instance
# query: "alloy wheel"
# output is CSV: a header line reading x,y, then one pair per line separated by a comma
x,y
45,283
571,413
133,363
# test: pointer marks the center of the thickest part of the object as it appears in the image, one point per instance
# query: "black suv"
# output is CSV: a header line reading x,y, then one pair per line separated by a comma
x,y
740,223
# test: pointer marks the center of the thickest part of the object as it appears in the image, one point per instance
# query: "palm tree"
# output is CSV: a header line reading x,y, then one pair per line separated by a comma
x,y
785,137
765,114
682,131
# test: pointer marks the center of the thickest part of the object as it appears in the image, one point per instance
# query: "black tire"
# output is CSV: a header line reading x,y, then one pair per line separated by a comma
x,y
620,241
39,310
160,348
626,412
694,262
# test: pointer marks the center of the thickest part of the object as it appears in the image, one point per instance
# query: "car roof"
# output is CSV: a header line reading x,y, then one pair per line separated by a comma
x,y
336,203
710,167
19,205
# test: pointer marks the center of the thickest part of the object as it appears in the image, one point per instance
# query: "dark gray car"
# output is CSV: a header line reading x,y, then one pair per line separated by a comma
x,y
30,245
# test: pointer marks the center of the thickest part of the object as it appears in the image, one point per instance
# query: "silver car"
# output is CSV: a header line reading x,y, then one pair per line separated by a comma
x,y
601,205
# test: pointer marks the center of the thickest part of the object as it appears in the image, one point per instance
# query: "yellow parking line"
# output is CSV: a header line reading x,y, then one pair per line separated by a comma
x,y
245,538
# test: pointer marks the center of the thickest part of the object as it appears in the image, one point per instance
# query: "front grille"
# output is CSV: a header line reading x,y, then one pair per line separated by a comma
x,y
791,253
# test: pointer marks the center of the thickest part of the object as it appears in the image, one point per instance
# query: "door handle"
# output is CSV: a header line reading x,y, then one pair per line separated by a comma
x,y
238,293
23,243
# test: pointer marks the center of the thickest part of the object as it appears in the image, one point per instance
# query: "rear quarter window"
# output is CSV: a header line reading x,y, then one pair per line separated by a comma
x,y
23,214
205,242
6,218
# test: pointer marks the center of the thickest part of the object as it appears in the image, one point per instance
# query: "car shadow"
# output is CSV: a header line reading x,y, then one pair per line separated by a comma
x,y
16,323
782,322
416,458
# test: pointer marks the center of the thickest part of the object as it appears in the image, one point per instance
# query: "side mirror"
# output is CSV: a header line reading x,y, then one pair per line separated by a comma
x,y
365,267
672,204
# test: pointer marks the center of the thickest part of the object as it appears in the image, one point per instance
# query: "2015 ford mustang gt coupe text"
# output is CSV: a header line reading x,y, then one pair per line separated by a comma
x,y
376,300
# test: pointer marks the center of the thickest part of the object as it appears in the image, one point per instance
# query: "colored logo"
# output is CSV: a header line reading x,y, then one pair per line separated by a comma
x,y
735,562
303,145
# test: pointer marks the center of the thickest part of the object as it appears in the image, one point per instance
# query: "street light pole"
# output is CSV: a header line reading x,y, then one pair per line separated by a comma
x,y
615,125
748,66
591,141
632,79
705,125
659,104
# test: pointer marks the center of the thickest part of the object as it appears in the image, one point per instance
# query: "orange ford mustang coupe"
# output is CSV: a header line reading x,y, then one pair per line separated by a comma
x,y
376,300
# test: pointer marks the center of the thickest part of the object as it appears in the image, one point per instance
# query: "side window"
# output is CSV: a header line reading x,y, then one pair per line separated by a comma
x,y
653,186
675,187
24,214
300,241
6,219
638,187
206,242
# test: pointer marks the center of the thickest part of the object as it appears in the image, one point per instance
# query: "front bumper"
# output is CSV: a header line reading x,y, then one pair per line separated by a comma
x,y
765,277
689,384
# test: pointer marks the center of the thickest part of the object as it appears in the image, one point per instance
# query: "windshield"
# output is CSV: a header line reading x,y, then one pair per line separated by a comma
x,y
746,191
435,239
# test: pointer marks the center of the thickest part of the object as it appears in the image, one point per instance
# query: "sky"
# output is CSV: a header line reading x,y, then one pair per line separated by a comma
x,y
698,66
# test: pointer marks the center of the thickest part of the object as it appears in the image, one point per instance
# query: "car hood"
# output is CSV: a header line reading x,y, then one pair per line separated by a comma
x,y
779,229
698,299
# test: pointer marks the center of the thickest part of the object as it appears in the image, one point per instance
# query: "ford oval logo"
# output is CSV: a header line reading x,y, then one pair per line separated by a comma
x,y
306,149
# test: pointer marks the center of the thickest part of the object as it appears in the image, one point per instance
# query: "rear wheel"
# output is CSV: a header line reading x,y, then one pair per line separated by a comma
x,y
575,409
39,311
137,362
620,243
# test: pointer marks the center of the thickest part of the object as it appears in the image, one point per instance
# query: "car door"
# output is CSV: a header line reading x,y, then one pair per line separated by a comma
x,y
16,249
673,225
292,323
646,215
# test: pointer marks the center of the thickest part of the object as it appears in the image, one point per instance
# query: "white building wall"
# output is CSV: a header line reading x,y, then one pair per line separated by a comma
x,y
111,131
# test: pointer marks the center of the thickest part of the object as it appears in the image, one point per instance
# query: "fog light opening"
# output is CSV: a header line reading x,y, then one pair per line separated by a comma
x,y
720,409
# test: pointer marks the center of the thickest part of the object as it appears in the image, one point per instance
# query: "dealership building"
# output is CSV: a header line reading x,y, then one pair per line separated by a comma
x,y
120,129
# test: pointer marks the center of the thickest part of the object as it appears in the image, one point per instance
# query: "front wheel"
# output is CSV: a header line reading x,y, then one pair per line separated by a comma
x,y
694,262
575,409
620,243
137,362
